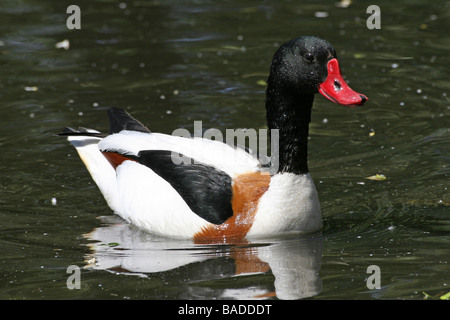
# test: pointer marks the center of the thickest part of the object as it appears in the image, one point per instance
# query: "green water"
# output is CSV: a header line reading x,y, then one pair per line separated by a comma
x,y
170,63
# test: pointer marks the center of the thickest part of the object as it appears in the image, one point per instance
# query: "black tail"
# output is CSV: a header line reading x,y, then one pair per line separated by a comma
x,y
120,120
80,132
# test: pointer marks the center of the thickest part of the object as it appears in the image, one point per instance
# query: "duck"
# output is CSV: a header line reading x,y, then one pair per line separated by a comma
x,y
217,191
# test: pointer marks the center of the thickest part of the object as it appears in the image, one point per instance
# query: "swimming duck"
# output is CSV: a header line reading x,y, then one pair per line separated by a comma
x,y
219,192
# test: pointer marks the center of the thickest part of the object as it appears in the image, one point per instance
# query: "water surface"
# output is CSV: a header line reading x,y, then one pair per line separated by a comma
x,y
170,63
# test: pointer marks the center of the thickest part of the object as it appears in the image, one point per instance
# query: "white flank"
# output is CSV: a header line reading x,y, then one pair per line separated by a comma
x,y
151,203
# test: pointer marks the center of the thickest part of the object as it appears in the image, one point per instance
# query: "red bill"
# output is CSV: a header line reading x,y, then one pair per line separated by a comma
x,y
337,90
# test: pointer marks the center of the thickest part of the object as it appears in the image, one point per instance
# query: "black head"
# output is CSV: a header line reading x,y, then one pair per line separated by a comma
x,y
308,65
300,68
300,64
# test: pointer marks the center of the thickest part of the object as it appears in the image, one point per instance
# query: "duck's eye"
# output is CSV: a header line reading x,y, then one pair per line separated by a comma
x,y
309,57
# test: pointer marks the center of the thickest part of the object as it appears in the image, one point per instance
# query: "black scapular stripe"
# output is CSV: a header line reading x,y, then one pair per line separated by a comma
x,y
206,190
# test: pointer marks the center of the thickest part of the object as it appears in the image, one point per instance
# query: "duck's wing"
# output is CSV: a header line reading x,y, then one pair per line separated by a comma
x,y
129,137
166,184
206,190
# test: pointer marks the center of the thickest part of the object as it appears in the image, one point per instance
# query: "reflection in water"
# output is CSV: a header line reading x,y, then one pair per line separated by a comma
x,y
294,261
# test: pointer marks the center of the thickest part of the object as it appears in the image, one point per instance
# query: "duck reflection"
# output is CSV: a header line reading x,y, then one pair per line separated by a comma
x,y
294,261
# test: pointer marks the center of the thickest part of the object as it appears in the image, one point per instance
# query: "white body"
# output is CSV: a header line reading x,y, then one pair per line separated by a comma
x,y
143,198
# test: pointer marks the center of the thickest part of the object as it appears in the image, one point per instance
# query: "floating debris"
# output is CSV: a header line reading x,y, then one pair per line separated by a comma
x,y
31,89
261,82
359,55
320,14
426,295
445,296
377,177
343,3
65,44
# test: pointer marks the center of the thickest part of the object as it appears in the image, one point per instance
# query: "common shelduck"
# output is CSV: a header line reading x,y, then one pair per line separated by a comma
x,y
220,192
